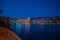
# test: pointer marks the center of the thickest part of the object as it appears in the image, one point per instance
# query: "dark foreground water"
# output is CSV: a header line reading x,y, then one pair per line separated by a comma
x,y
39,32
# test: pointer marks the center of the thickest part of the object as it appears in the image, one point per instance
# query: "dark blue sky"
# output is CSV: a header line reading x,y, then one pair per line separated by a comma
x,y
31,8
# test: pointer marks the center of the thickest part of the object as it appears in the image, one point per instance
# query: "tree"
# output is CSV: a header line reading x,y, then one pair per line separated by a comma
x,y
1,11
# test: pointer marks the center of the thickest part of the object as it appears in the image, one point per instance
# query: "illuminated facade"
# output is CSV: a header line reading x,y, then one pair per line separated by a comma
x,y
23,22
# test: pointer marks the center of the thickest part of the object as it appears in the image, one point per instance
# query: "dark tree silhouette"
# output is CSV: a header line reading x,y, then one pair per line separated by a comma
x,y
1,11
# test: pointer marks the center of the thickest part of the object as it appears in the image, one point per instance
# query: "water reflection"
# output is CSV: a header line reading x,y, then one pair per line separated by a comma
x,y
30,31
18,28
47,31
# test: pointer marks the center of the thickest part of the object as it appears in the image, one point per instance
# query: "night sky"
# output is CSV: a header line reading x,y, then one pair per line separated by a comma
x,y
30,8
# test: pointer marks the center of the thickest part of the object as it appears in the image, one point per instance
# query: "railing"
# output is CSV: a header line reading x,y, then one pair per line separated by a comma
x,y
6,34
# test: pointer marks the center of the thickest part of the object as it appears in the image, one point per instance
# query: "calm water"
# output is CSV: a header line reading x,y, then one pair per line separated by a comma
x,y
38,32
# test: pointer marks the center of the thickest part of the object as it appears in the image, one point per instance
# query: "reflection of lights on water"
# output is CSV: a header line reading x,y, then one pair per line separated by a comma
x,y
41,26
27,27
18,27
